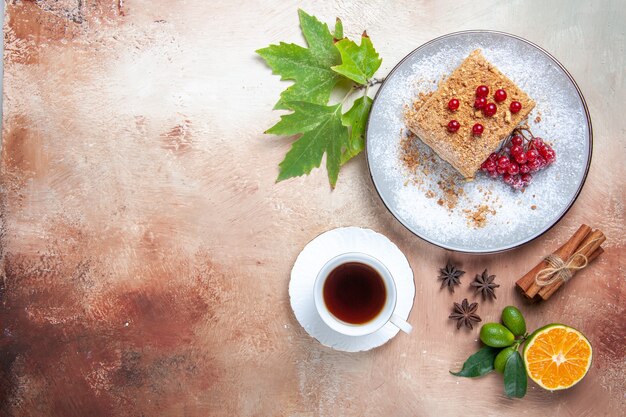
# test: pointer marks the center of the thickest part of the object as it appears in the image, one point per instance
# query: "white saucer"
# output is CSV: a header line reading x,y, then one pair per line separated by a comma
x,y
325,247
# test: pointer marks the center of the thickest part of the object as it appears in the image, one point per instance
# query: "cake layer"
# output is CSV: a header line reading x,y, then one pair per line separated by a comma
x,y
464,151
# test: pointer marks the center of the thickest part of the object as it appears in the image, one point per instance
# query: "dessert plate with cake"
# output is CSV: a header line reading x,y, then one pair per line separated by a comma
x,y
479,141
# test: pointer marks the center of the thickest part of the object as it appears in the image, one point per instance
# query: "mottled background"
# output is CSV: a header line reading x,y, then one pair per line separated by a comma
x,y
147,250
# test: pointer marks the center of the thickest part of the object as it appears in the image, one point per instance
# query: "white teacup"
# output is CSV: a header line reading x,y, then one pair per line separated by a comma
x,y
385,315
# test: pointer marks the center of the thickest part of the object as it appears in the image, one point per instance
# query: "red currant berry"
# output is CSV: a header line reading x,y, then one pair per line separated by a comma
x,y
494,156
516,150
534,165
549,154
499,95
517,140
527,178
480,103
541,150
542,162
504,162
508,178
517,182
515,107
531,154
500,170
490,109
490,165
477,129
537,142
453,126
524,169
513,168
453,104
482,91
521,158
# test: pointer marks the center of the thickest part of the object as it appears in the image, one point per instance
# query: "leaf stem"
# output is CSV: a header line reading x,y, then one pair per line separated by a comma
x,y
370,83
350,91
367,86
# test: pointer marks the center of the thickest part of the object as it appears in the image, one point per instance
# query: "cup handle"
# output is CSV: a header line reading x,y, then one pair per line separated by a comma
x,y
401,324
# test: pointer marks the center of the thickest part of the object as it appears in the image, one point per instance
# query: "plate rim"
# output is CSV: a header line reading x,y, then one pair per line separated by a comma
x,y
569,204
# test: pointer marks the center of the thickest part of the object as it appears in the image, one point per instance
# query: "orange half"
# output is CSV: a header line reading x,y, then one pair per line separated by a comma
x,y
557,357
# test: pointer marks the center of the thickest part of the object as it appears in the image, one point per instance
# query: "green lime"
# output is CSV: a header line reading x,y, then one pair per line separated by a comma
x,y
496,335
513,320
500,362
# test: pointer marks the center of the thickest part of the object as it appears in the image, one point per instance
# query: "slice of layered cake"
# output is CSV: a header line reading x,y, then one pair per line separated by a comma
x,y
470,114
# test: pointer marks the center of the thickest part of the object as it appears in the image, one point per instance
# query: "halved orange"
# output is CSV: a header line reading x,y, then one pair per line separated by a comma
x,y
557,356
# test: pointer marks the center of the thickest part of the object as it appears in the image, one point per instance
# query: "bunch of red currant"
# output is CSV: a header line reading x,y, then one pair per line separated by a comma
x,y
519,157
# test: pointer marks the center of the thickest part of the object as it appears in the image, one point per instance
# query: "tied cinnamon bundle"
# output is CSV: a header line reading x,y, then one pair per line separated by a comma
x,y
559,267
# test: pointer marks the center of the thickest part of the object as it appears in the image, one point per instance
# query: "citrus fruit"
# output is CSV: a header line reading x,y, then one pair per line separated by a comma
x,y
500,362
557,356
513,320
496,335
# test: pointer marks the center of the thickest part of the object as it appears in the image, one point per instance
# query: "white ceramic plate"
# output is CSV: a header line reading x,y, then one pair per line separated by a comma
x,y
325,247
519,217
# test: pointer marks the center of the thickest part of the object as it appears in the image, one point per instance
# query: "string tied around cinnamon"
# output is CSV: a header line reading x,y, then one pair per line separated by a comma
x,y
560,269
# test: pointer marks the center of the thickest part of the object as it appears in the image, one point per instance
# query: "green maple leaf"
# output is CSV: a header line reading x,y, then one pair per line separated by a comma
x,y
322,132
316,70
358,62
338,30
356,119
310,67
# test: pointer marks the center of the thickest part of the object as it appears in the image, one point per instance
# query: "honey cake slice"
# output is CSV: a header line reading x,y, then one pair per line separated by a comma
x,y
461,149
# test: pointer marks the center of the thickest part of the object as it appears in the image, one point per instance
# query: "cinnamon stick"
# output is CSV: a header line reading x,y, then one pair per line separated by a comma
x,y
527,284
552,288
590,249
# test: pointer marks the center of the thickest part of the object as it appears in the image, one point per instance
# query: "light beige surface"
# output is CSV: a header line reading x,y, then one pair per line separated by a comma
x,y
147,249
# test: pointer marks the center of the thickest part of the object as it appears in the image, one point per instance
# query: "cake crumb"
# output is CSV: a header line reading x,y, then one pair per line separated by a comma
x,y
533,207
477,218
451,190
421,100
420,161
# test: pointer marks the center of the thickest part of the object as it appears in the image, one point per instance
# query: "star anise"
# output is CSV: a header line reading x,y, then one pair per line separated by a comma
x,y
465,313
485,285
450,276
